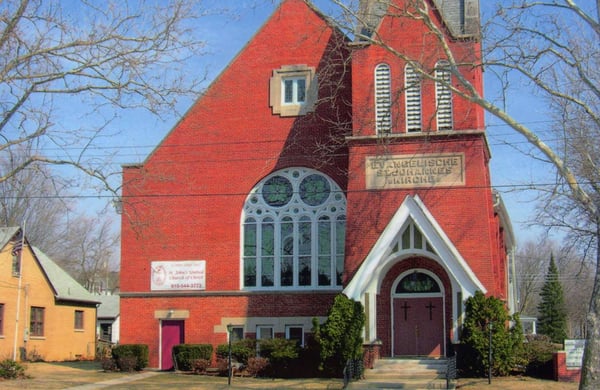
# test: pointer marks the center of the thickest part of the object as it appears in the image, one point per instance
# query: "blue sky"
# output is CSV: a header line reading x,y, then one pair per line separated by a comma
x,y
227,34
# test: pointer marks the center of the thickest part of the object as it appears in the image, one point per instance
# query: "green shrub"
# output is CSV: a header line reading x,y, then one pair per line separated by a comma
x,y
280,353
129,357
185,354
539,352
241,350
507,344
340,337
10,369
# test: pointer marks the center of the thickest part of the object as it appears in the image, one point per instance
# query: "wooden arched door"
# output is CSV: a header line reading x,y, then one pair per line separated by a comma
x,y
418,315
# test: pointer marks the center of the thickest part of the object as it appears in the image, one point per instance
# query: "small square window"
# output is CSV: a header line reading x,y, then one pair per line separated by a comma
x,y
293,90
264,332
237,333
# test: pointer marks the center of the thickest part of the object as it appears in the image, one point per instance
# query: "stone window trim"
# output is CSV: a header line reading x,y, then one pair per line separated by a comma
x,y
276,90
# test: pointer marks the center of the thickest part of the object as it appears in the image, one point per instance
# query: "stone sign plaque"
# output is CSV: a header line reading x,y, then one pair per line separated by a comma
x,y
574,349
417,170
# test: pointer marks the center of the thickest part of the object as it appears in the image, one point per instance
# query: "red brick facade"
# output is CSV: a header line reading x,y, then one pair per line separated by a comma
x,y
186,201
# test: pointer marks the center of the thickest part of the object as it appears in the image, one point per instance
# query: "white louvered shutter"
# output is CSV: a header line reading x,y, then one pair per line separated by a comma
x,y
383,99
443,96
412,85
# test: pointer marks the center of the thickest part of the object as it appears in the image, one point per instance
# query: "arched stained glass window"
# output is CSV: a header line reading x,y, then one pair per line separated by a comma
x,y
294,229
417,283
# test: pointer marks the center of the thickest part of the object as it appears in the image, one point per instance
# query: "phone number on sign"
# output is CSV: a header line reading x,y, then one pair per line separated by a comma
x,y
187,285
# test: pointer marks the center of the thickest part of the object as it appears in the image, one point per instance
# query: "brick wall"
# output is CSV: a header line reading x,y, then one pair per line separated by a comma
x,y
562,373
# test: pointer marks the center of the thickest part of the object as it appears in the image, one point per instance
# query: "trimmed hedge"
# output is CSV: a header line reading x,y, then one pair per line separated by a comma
x,y
130,357
184,355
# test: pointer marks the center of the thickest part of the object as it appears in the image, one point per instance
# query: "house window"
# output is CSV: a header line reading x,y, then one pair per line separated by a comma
x,y
237,333
443,95
294,228
16,255
293,90
1,319
16,264
78,319
296,333
106,332
383,99
36,322
412,85
264,332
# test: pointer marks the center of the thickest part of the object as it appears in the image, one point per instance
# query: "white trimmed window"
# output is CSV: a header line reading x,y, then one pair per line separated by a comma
x,y
383,99
443,95
412,85
293,232
264,332
293,90
296,333
237,333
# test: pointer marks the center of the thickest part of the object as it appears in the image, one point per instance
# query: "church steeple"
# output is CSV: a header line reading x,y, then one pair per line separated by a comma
x,y
461,17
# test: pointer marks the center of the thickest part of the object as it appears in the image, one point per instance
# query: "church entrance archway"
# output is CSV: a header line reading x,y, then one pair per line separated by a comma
x,y
418,315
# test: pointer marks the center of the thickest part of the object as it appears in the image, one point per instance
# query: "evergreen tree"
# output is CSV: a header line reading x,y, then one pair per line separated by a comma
x,y
553,313
340,337
507,341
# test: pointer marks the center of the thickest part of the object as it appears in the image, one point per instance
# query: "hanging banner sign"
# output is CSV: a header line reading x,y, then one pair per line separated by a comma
x,y
178,275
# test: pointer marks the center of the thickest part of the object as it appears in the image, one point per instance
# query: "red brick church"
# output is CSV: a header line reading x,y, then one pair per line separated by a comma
x,y
318,164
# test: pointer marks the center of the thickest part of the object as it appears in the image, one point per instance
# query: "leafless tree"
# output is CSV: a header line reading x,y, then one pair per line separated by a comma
x,y
550,49
69,68
31,199
91,252
530,266
86,247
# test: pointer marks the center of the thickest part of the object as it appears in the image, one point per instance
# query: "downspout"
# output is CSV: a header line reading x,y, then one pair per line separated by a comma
x,y
20,255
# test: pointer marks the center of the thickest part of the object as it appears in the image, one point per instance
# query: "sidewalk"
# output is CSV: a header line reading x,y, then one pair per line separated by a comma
x,y
116,381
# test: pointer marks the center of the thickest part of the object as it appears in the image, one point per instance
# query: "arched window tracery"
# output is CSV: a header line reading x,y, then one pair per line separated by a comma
x,y
293,232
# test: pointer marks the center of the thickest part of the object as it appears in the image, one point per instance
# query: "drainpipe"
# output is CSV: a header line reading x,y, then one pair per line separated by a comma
x,y
20,255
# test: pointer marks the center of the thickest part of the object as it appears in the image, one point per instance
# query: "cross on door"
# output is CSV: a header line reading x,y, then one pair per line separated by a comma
x,y
430,307
405,307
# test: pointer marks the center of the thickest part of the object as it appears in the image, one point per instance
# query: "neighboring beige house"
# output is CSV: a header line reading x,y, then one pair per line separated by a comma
x,y
108,318
44,313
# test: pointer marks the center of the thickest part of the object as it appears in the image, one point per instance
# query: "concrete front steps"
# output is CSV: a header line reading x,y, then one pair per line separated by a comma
x,y
421,373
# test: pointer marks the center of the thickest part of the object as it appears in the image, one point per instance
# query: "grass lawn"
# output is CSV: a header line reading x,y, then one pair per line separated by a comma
x,y
49,376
